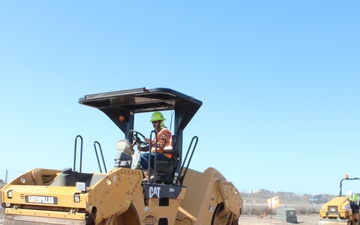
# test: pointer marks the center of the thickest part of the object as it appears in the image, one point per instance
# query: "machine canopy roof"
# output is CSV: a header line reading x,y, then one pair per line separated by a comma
x,y
120,106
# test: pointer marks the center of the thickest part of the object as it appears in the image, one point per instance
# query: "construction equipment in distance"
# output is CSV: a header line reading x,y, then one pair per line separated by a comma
x,y
337,211
178,195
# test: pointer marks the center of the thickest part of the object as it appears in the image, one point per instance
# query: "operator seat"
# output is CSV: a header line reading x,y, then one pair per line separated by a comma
x,y
165,169
123,157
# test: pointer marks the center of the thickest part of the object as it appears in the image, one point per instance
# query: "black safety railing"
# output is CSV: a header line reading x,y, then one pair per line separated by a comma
x,y
155,158
81,152
180,178
96,143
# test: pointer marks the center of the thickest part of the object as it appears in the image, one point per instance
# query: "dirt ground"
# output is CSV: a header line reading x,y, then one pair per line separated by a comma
x,y
252,220
1,215
301,219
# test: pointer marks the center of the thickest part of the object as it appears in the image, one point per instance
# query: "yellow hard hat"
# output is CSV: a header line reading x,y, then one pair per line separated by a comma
x,y
157,116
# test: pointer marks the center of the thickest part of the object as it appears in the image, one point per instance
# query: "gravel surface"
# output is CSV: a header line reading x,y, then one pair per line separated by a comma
x,y
301,219
1,215
250,220
253,220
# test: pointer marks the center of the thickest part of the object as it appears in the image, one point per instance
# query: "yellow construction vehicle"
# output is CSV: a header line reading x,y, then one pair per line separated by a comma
x,y
338,210
178,195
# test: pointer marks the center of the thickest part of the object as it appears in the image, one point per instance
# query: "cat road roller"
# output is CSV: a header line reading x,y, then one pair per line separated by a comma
x,y
176,195
339,210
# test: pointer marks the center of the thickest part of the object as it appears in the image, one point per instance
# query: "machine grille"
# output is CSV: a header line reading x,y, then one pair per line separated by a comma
x,y
332,209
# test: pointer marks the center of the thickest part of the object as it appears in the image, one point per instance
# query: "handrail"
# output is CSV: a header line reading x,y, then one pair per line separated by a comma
x,y
97,156
355,178
81,151
155,158
181,177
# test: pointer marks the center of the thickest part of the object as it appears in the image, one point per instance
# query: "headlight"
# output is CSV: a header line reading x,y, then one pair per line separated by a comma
x,y
76,198
9,194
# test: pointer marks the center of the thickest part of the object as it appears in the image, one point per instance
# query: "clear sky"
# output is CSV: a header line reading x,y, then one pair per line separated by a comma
x,y
279,82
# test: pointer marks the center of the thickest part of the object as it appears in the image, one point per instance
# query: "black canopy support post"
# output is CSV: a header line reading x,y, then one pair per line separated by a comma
x,y
347,178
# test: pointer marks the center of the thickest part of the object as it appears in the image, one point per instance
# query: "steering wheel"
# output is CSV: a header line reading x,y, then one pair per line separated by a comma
x,y
134,135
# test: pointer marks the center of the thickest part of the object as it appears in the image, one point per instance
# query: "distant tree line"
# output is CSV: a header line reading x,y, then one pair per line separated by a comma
x,y
284,196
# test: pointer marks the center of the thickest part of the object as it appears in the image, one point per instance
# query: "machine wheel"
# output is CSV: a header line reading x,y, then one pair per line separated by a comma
x,y
126,218
223,218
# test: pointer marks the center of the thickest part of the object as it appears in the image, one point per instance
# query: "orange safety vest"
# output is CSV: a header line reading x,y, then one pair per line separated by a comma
x,y
164,138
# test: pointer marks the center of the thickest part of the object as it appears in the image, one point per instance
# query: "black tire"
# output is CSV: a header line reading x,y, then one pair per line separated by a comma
x,y
218,209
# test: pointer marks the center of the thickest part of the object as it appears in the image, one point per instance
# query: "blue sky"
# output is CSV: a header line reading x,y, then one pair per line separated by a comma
x,y
279,81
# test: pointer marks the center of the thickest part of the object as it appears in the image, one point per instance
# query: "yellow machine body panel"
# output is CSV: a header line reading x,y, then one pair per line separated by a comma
x,y
118,197
210,198
335,212
109,194
337,207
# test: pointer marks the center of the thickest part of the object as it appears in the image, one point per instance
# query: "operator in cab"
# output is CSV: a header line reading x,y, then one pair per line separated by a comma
x,y
159,145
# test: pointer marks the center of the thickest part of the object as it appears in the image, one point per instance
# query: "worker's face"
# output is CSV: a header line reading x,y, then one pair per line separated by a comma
x,y
156,124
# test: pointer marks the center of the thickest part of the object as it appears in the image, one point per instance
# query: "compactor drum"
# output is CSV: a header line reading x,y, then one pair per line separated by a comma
x,y
178,195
